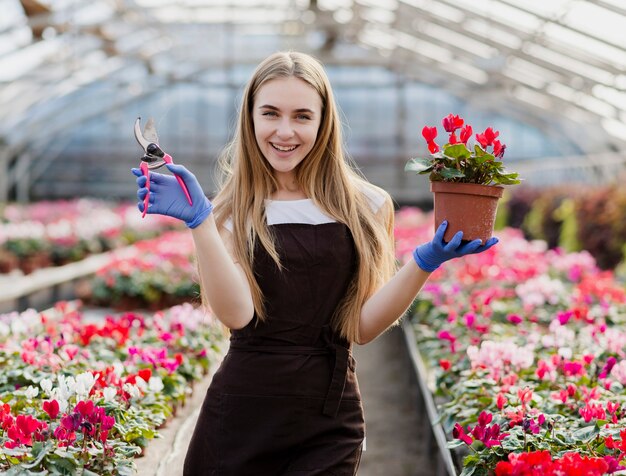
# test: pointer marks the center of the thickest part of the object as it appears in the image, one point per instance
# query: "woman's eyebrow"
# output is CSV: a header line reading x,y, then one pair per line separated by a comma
x,y
274,108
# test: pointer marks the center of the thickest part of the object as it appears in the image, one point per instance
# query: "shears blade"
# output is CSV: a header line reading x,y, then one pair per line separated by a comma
x,y
150,133
143,142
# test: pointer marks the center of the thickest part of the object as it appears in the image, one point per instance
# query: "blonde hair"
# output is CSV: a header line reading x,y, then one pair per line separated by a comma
x,y
324,175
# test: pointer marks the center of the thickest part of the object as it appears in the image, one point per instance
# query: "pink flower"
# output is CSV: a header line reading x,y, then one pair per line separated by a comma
x,y
525,395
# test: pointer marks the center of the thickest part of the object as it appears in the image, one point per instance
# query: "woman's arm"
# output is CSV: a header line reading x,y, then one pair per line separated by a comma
x,y
391,301
223,281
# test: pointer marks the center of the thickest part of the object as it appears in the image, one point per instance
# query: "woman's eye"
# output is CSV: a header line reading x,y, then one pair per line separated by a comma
x,y
270,113
303,117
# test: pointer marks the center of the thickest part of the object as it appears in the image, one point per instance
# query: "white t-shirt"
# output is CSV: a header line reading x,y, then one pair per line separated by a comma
x,y
304,211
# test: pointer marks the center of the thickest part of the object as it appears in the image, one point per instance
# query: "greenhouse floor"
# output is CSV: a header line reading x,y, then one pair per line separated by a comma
x,y
395,442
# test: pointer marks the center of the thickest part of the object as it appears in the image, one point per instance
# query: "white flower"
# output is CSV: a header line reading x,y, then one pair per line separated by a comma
x,y
4,329
67,387
132,390
565,352
141,384
56,395
31,392
109,394
84,383
118,368
46,385
155,384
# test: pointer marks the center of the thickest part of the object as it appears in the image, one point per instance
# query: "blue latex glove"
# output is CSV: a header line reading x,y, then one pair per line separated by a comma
x,y
168,198
431,255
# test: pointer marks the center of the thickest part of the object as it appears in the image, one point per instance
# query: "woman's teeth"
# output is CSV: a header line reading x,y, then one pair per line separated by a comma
x,y
284,149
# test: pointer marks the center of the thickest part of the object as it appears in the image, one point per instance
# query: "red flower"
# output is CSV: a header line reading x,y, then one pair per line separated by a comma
x,y
501,401
429,133
451,123
486,138
466,133
51,408
145,374
445,364
498,148
459,433
433,147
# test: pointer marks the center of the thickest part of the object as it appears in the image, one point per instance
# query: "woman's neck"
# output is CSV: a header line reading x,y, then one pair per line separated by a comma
x,y
288,189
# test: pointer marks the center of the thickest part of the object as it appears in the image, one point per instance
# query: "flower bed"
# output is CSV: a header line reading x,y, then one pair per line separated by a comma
x,y
526,353
54,233
80,395
152,274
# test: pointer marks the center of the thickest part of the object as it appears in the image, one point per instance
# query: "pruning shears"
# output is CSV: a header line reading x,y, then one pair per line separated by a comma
x,y
153,158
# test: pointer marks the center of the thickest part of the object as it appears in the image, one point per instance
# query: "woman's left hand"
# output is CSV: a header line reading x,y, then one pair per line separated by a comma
x,y
429,256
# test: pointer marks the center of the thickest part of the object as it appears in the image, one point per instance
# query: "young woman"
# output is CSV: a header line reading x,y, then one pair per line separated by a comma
x,y
296,257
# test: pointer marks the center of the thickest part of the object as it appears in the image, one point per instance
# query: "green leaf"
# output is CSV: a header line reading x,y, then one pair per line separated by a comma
x,y
419,165
454,444
456,151
586,433
86,472
450,173
468,471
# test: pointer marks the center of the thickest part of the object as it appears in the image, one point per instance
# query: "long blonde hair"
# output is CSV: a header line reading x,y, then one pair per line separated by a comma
x,y
324,175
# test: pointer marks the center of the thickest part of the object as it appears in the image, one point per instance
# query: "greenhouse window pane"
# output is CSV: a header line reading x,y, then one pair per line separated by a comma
x,y
610,95
378,38
598,22
587,45
466,71
458,40
503,13
492,33
533,97
571,64
441,10
543,7
530,73
425,48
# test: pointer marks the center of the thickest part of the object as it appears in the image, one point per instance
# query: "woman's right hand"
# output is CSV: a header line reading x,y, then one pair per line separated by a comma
x,y
168,198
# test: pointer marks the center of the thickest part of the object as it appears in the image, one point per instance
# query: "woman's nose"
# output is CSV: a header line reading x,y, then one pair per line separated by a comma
x,y
285,129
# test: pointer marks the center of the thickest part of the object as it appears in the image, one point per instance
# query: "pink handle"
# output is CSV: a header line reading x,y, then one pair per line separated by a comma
x,y
144,169
168,160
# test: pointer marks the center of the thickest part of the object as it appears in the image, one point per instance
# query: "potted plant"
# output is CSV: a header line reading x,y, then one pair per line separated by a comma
x,y
466,181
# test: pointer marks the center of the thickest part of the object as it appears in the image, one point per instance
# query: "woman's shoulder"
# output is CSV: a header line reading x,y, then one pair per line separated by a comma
x,y
375,195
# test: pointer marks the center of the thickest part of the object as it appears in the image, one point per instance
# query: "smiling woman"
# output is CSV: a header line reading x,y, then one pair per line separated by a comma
x,y
296,257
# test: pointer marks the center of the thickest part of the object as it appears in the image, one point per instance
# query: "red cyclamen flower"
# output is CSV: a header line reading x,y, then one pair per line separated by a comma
x,y
486,138
498,148
466,133
451,123
429,133
51,408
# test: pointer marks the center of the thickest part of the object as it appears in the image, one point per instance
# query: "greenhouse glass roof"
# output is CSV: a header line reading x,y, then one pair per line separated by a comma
x,y
558,66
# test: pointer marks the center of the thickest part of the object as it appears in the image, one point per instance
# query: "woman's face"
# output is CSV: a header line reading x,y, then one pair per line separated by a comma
x,y
286,115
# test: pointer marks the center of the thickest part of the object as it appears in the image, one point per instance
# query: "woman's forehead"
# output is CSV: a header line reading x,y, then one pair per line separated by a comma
x,y
289,94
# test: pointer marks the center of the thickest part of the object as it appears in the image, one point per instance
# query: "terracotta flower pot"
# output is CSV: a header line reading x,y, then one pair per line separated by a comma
x,y
468,207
